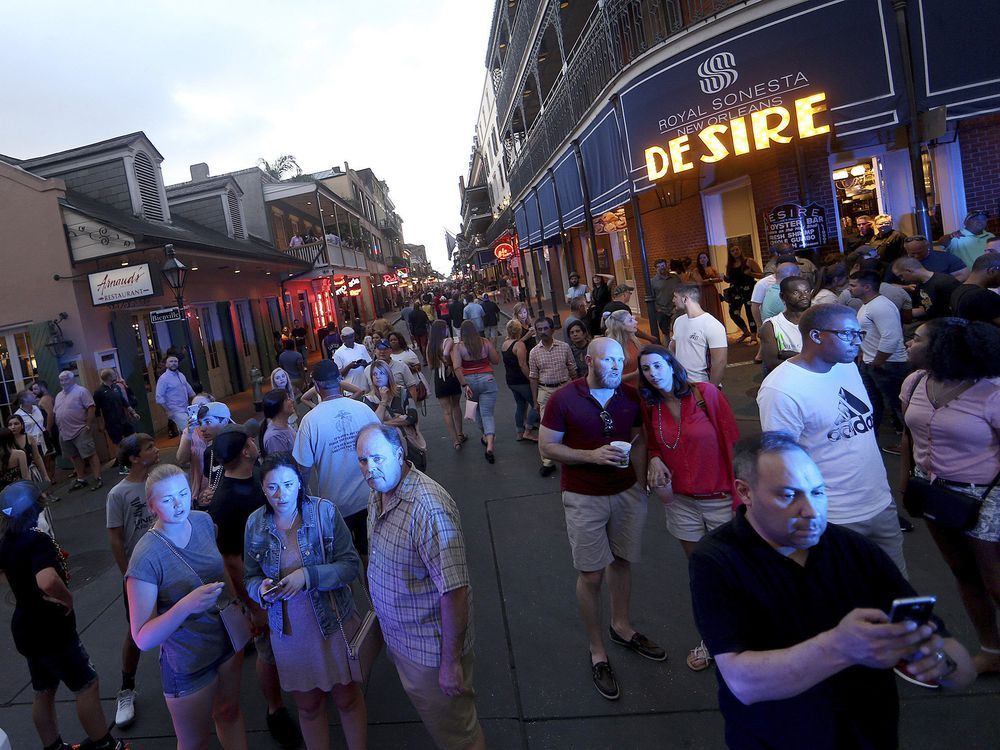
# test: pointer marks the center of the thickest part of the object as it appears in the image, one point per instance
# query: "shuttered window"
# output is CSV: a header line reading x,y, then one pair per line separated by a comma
x,y
149,189
234,215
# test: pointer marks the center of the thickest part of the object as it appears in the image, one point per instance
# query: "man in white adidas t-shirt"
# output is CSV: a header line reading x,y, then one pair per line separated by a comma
x,y
699,341
818,397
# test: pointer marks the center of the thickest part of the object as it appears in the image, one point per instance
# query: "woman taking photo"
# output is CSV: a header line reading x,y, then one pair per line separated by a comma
x,y
951,407
621,326
175,581
691,432
579,340
515,365
473,358
310,609
24,442
741,273
446,386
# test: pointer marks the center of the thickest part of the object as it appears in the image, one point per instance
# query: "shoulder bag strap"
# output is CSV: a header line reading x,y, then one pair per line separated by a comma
x,y
173,548
909,396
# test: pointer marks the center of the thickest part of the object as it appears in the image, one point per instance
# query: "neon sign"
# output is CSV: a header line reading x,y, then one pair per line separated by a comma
x,y
765,126
503,251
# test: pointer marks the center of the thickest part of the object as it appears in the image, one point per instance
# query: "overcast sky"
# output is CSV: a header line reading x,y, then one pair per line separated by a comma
x,y
393,85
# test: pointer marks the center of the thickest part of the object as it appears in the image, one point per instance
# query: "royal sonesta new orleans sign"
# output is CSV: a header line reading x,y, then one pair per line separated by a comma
x,y
760,86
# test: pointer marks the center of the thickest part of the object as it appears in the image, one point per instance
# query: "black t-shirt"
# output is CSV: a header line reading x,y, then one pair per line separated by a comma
x,y
749,597
455,309
418,322
935,294
491,312
38,625
232,504
299,334
972,302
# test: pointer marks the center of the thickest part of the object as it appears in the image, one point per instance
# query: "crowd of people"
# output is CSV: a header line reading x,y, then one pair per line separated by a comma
x,y
292,531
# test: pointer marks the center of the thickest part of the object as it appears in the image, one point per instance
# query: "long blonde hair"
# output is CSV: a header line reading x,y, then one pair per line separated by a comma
x,y
373,386
614,327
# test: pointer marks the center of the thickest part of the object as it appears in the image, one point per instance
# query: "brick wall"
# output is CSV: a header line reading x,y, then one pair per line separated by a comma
x,y
106,183
979,143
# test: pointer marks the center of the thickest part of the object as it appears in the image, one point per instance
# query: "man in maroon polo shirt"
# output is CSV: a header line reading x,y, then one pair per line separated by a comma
x,y
605,506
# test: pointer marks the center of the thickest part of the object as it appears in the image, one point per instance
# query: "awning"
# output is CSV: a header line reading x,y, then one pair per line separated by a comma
x,y
520,224
547,203
602,163
531,217
567,184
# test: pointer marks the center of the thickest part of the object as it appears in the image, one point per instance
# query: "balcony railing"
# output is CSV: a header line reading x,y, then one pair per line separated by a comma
x,y
617,33
526,12
305,252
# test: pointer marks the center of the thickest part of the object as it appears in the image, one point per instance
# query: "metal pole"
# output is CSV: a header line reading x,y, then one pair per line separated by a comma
x,y
650,301
522,273
586,205
562,236
923,223
187,336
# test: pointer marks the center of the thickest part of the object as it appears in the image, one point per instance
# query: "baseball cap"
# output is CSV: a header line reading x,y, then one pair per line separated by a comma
x,y
215,409
621,289
20,498
229,443
347,331
973,214
325,371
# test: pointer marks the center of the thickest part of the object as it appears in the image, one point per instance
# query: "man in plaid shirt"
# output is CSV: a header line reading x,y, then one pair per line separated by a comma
x,y
419,584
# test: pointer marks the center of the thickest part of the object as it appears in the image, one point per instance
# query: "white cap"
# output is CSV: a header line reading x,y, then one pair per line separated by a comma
x,y
348,331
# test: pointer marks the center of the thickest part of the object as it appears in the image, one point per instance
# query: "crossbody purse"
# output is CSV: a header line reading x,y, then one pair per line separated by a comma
x,y
233,618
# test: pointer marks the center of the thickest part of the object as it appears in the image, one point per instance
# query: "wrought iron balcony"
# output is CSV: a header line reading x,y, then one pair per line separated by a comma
x,y
617,33
526,12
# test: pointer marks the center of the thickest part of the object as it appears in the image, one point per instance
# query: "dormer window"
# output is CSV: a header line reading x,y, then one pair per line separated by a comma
x,y
235,215
151,202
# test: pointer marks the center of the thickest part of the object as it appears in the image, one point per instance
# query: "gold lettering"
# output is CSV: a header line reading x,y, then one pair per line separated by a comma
x,y
764,134
677,148
805,110
741,143
710,137
657,163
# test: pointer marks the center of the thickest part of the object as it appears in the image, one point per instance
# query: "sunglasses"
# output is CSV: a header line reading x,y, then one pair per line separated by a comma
x,y
607,423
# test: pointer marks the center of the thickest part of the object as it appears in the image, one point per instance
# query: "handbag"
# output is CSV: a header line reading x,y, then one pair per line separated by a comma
x,y
942,504
234,620
470,409
364,647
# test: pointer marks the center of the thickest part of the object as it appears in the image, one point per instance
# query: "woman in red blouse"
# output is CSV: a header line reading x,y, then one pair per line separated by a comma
x,y
690,432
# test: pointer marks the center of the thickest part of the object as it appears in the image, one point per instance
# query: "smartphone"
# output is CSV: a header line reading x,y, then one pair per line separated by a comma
x,y
915,608
264,592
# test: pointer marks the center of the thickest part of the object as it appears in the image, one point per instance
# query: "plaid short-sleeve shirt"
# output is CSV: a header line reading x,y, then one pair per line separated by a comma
x,y
417,553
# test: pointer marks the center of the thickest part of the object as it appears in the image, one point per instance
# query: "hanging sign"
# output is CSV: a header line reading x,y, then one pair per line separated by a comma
x,y
403,273
166,315
504,251
798,226
349,285
129,282
389,279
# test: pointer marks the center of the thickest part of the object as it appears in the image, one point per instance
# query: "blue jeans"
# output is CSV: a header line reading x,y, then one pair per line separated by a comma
x,y
523,405
885,382
484,392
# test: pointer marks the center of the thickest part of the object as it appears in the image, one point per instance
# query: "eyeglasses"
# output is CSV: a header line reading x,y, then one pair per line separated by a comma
x,y
607,422
847,336
916,238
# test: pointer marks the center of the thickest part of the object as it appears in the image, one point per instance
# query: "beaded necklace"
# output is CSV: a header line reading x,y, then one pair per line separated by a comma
x,y
659,424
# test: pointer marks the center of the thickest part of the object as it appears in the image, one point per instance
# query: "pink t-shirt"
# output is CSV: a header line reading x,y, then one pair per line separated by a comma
x,y
71,411
959,441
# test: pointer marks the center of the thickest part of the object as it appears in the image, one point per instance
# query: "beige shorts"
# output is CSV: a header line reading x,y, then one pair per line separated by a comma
x,y
451,722
603,527
689,519
82,445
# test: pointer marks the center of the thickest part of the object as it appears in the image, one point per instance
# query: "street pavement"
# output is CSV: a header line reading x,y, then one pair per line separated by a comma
x,y
532,665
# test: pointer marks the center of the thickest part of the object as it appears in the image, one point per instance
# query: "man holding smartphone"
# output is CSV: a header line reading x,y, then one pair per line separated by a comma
x,y
352,358
795,614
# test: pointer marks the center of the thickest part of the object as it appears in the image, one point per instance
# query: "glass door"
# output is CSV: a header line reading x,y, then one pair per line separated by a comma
x,y
17,368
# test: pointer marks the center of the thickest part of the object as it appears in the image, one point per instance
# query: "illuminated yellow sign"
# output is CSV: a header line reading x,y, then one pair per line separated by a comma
x,y
766,125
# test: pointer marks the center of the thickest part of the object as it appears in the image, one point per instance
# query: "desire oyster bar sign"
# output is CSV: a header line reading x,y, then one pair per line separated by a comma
x,y
120,284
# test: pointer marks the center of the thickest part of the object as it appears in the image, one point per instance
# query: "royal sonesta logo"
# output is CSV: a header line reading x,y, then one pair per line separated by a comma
x,y
727,136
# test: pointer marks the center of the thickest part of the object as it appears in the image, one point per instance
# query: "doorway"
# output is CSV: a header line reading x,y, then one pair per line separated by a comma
x,y
210,332
247,342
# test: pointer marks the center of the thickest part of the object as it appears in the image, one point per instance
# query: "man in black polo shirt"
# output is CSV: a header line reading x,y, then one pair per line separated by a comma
x,y
794,613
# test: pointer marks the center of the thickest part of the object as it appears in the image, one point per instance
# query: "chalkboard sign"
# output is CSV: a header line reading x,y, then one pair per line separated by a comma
x,y
799,226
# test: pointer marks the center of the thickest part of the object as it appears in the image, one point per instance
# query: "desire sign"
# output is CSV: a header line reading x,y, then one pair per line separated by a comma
x,y
766,125
503,251
798,226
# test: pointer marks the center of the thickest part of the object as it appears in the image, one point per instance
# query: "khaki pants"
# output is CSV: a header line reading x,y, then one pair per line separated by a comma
x,y
543,398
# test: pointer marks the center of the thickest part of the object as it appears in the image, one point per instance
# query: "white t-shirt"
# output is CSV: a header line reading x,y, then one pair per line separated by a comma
x,y
786,334
895,294
883,329
693,337
408,357
829,414
344,356
325,441
761,287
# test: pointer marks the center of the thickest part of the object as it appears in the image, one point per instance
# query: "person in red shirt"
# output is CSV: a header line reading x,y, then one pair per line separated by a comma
x,y
691,432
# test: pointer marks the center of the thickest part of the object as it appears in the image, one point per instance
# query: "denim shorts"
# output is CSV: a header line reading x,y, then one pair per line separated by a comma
x,y
177,685
69,665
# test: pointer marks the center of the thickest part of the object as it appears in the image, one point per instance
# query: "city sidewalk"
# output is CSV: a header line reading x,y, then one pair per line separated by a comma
x,y
532,677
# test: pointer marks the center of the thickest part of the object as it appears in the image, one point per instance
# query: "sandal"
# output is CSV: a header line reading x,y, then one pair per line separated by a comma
x,y
77,484
462,438
490,457
698,658
458,445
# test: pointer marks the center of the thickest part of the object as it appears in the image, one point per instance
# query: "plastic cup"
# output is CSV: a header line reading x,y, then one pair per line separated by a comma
x,y
623,446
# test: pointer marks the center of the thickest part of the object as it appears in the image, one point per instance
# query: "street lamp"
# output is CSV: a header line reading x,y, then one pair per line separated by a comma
x,y
175,274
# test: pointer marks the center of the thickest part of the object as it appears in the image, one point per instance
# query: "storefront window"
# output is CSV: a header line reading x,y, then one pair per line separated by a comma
x,y
857,191
17,368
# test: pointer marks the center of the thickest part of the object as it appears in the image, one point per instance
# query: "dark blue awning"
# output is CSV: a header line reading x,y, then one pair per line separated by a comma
x,y
568,190
520,224
602,163
531,217
547,203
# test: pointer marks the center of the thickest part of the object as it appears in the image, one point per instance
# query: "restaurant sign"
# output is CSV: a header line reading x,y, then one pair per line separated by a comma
x,y
798,226
349,285
504,251
389,279
119,284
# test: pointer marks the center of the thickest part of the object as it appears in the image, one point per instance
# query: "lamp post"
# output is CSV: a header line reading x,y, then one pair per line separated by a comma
x,y
175,274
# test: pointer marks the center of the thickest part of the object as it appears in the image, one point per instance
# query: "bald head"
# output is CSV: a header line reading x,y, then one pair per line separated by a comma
x,y
606,361
910,270
786,270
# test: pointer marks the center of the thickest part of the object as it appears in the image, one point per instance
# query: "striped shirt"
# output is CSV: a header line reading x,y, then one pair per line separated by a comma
x,y
417,554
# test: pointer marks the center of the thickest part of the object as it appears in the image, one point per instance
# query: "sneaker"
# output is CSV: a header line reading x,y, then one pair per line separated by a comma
x,y
125,713
893,450
97,485
904,524
640,644
547,471
78,484
283,729
901,671
123,472
604,680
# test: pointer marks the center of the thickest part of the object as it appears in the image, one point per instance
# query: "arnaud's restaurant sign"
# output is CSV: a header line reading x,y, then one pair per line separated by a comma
x,y
119,284
759,87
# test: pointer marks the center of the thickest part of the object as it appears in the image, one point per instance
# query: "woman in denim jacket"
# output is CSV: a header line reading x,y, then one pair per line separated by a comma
x,y
299,562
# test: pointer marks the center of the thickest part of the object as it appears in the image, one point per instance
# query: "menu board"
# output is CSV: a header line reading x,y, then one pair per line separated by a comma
x,y
799,226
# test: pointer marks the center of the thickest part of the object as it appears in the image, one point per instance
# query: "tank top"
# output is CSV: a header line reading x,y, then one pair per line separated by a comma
x,y
786,334
512,367
478,365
